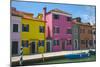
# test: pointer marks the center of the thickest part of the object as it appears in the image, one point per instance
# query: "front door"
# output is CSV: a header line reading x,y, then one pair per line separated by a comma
x,y
14,47
76,44
33,47
63,45
86,43
48,46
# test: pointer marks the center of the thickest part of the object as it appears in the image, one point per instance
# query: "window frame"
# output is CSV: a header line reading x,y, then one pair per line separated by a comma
x,y
69,19
57,42
42,29
25,27
56,30
41,43
25,44
57,16
14,27
67,31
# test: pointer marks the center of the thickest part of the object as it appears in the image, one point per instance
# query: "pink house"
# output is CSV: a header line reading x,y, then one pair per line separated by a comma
x,y
58,29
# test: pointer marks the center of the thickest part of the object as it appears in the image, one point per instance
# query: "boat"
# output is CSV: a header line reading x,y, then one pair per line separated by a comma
x,y
77,56
92,52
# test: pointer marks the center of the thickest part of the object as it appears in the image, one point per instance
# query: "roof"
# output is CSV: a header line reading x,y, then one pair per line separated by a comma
x,y
33,19
59,11
85,24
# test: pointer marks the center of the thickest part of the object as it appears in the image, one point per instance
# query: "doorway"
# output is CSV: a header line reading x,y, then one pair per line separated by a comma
x,y
76,44
33,44
48,46
63,44
14,47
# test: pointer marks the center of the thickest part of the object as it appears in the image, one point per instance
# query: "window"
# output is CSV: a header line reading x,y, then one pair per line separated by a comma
x,y
90,42
69,42
56,30
42,29
89,31
56,42
25,27
24,43
65,42
15,27
86,42
82,30
56,16
94,32
94,41
75,30
69,18
69,31
41,42
82,41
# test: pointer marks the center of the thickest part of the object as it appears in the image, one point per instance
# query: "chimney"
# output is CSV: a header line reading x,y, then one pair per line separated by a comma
x,y
78,19
44,13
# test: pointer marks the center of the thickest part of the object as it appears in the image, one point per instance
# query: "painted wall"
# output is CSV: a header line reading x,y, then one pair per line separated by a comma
x,y
85,36
15,36
33,34
75,32
94,36
63,24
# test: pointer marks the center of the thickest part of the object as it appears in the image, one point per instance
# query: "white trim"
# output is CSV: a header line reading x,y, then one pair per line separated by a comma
x,y
61,14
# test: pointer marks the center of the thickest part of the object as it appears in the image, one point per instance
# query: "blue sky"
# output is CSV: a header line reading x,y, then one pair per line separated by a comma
x,y
86,12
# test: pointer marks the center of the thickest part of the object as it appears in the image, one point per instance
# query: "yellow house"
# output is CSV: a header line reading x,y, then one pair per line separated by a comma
x,y
33,36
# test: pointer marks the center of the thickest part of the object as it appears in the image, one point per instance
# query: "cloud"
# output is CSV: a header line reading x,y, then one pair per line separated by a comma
x,y
88,18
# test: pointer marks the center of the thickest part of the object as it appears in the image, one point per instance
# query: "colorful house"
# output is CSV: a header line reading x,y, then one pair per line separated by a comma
x,y
85,36
94,35
75,32
15,34
32,36
58,29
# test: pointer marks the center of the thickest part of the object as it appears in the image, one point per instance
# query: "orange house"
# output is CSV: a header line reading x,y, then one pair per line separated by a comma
x,y
85,36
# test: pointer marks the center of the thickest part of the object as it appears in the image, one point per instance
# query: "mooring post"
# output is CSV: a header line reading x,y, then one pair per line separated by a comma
x,y
21,56
43,57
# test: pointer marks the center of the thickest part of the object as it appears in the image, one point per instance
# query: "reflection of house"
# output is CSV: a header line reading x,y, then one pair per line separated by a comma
x,y
94,35
32,36
58,29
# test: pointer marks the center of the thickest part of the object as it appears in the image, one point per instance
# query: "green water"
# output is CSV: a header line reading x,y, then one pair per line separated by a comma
x,y
64,60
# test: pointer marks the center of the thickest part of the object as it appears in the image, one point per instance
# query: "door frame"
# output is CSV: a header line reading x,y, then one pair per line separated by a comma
x,y
76,41
50,45
31,47
64,43
18,47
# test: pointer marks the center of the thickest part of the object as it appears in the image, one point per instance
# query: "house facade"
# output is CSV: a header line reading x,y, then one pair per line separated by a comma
x,y
15,34
58,29
75,32
32,36
94,35
85,36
